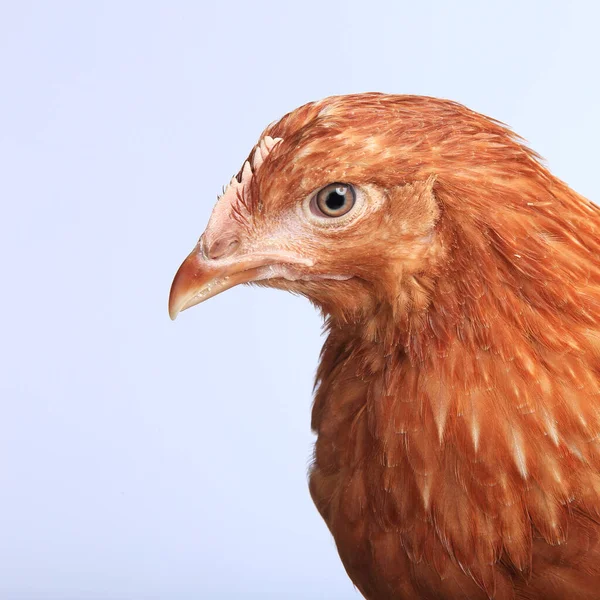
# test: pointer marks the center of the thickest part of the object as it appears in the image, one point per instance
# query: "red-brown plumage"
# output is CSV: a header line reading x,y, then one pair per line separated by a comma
x,y
457,404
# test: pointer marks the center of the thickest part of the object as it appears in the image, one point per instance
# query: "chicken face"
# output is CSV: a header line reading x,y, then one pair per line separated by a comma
x,y
316,215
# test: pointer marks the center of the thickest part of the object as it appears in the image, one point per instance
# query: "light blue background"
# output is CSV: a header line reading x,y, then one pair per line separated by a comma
x,y
144,459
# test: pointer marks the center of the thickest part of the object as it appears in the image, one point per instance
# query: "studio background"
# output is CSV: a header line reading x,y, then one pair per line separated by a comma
x,y
145,459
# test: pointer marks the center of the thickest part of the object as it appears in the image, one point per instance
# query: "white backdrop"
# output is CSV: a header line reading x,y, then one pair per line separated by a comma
x,y
144,459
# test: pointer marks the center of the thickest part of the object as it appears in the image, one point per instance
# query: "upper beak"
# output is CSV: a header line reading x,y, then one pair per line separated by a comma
x,y
200,278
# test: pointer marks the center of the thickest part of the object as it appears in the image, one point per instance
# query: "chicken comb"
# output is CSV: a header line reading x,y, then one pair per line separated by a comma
x,y
234,195
239,183
233,203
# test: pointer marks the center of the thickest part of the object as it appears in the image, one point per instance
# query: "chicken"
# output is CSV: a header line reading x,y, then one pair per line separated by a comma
x,y
457,405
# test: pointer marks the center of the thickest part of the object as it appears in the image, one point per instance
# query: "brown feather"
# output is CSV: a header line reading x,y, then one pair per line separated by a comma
x,y
462,426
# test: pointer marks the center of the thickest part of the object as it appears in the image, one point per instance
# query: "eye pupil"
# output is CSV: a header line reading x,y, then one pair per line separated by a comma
x,y
336,199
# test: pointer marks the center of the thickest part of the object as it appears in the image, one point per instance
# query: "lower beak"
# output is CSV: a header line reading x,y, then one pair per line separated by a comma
x,y
199,278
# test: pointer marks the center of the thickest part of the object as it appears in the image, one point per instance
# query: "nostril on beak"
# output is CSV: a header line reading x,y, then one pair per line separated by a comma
x,y
220,248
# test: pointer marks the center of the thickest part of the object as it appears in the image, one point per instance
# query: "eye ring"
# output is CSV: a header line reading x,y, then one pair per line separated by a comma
x,y
333,201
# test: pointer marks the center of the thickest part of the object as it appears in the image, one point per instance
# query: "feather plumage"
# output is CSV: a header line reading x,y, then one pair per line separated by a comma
x,y
457,402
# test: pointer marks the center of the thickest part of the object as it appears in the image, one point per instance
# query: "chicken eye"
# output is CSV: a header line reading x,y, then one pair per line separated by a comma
x,y
334,200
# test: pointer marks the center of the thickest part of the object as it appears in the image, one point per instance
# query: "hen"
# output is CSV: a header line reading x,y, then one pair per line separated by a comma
x,y
457,404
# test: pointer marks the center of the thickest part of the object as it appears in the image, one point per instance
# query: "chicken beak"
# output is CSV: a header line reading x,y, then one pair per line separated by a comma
x,y
200,278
